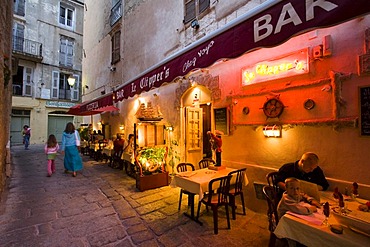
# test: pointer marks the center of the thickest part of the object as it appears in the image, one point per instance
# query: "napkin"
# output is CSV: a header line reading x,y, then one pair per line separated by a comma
x,y
186,174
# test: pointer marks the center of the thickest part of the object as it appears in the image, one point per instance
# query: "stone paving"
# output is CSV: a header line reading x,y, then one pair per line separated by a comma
x,y
102,207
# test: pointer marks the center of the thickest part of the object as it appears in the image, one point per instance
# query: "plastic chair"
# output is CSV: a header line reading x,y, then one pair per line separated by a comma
x,y
272,214
237,189
204,163
216,198
183,167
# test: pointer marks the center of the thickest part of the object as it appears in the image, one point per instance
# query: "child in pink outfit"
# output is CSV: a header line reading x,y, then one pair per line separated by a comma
x,y
51,149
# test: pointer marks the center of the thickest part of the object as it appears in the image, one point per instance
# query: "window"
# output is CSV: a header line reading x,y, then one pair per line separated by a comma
x,y
116,40
18,37
66,52
27,81
66,16
60,89
19,7
193,8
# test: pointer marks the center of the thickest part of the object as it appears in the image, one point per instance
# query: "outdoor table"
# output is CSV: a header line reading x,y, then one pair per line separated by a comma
x,y
309,230
197,182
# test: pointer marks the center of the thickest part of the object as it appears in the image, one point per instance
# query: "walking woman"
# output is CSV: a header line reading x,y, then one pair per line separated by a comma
x,y
70,148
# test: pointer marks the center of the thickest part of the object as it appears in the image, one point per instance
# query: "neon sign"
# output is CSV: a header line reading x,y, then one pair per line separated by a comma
x,y
289,65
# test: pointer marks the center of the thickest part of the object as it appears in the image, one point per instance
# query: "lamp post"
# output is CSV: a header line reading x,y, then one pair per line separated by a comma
x,y
71,80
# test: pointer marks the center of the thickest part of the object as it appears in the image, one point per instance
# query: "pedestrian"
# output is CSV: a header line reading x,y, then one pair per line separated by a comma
x,y
51,149
26,136
216,144
70,149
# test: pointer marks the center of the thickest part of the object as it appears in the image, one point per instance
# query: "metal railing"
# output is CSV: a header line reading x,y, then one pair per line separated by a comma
x,y
115,13
27,47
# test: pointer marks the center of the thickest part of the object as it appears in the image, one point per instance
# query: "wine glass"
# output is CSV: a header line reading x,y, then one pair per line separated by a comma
x,y
326,213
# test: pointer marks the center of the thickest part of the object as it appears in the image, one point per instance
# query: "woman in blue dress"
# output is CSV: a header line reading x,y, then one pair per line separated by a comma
x,y
70,148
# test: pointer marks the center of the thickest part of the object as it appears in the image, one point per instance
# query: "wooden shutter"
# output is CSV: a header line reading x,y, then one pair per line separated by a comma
x,y
69,54
63,52
75,89
203,5
190,13
27,81
55,85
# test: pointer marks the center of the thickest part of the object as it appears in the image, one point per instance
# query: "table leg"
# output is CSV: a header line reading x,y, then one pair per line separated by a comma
x,y
191,204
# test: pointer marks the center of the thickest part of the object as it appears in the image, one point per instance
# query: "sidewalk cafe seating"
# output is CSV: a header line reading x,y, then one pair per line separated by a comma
x,y
237,189
204,163
217,197
183,167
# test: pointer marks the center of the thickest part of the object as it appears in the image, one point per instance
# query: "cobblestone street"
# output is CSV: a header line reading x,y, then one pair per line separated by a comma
x,y
102,207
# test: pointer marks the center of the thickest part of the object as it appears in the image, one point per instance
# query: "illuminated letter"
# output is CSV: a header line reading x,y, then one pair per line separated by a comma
x,y
293,17
310,4
258,28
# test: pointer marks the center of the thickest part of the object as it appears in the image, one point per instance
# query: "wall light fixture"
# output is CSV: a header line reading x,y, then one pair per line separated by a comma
x,y
272,131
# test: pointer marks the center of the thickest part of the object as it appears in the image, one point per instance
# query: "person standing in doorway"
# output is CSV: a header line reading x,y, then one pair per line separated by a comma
x,y
216,144
51,149
70,149
26,136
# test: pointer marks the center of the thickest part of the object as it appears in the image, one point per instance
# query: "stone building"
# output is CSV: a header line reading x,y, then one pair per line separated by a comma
x,y
47,46
243,67
5,89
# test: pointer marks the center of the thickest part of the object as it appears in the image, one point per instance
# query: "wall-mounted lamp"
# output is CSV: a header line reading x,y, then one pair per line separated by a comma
x,y
272,131
100,123
121,127
169,128
71,80
86,86
195,24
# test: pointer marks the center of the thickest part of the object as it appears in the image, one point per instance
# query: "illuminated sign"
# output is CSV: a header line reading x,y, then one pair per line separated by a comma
x,y
289,65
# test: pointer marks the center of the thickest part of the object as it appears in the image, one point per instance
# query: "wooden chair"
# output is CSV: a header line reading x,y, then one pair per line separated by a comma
x,y
216,198
272,214
237,189
183,167
271,180
204,163
117,161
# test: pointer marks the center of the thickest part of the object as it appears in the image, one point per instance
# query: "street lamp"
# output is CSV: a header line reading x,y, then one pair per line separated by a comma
x,y
71,80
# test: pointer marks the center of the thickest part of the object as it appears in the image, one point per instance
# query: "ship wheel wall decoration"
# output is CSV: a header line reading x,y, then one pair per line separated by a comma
x,y
273,108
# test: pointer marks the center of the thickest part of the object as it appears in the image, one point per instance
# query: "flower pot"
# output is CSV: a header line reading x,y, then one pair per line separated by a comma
x,y
147,182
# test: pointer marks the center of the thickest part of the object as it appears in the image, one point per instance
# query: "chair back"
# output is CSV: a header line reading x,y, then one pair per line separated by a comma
x,y
183,167
271,180
218,188
272,202
204,163
239,180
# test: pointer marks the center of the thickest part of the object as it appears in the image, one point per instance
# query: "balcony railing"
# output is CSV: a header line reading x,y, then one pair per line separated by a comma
x,y
27,47
115,13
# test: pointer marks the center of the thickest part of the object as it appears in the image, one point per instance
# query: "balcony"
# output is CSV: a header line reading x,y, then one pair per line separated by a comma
x,y
27,49
115,13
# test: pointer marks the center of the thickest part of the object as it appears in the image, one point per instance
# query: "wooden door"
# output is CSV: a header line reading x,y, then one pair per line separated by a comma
x,y
194,135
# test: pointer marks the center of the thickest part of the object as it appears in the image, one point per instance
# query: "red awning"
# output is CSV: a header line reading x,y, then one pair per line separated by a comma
x,y
96,106
269,24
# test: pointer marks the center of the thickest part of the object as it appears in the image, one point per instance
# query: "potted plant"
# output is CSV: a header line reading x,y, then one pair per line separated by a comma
x,y
151,162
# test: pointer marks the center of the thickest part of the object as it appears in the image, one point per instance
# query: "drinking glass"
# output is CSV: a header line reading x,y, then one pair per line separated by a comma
x,y
326,213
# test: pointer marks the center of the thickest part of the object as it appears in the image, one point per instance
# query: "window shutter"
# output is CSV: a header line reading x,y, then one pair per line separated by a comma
x,y
27,81
69,53
55,85
116,51
63,51
18,32
19,7
203,5
75,89
189,11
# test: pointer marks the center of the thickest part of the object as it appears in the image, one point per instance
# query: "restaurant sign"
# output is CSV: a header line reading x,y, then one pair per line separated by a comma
x,y
289,65
95,104
270,24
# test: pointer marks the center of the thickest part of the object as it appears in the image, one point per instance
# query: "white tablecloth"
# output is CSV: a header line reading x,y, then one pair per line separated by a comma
x,y
197,181
311,234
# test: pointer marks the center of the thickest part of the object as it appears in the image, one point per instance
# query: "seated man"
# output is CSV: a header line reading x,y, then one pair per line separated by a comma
x,y
304,169
296,201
